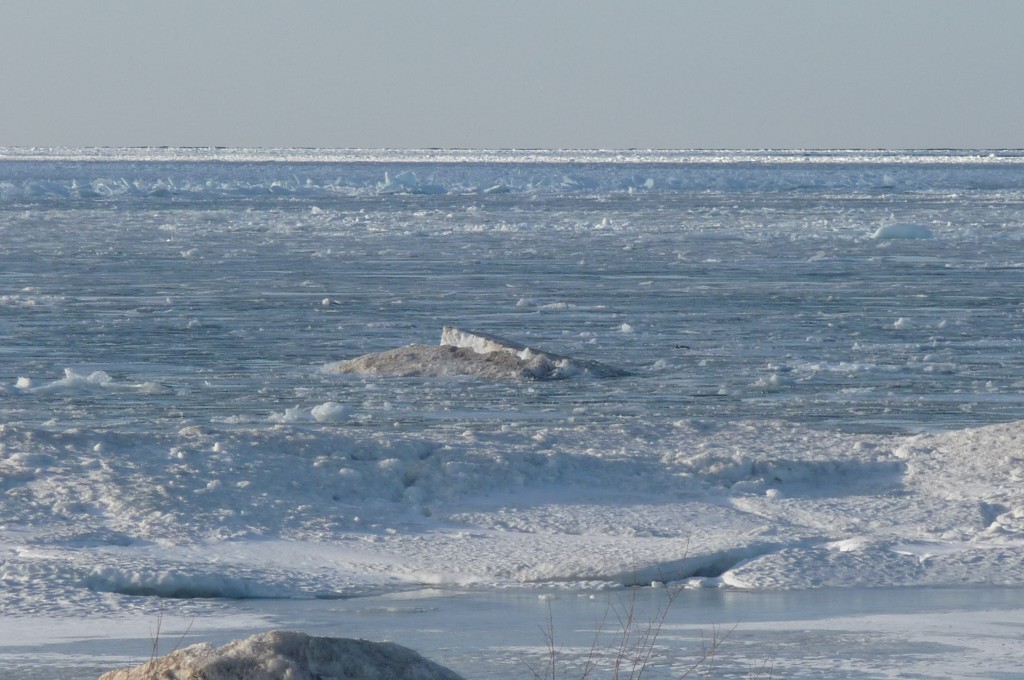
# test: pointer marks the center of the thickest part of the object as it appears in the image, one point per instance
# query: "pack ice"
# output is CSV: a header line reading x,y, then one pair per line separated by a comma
x,y
471,353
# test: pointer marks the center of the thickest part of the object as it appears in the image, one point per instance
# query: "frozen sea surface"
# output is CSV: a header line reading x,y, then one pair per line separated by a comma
x,y
823,353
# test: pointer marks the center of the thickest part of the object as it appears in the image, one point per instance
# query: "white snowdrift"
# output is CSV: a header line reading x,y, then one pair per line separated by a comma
x,y
475,354
295,656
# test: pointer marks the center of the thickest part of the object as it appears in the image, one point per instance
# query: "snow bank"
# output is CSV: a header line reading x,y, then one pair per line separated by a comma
x,y
954,515
281,655
475,354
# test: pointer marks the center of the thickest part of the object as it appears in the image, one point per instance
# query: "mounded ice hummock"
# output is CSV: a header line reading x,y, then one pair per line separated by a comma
x,y
475,354
296,656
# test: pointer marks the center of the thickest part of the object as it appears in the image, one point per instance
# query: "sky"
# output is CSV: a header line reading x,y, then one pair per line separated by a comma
x,y
513,74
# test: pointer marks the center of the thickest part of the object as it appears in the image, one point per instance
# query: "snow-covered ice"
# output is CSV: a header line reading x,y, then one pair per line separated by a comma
x,y
288,512
820,386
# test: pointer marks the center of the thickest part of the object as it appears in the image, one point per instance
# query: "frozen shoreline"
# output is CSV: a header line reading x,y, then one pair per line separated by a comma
x,y
319,511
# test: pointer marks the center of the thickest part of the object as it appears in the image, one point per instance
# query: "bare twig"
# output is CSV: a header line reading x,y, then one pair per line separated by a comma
x,y
154,665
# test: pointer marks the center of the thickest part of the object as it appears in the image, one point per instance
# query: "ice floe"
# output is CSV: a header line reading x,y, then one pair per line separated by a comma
x,y
476,354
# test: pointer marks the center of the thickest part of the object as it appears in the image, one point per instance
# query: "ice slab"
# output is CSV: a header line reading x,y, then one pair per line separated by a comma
x,y
482,355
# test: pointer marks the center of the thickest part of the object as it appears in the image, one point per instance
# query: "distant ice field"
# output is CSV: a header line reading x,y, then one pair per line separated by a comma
x,y
876,296
823,358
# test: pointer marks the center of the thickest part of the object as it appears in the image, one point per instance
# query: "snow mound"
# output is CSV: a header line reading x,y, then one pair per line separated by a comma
x,y
475,354
279,655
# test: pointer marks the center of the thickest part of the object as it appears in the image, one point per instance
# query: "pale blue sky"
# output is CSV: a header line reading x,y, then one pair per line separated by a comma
x,y
519,73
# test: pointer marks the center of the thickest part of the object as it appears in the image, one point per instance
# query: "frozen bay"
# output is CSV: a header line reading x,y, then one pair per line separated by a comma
x,y
823,350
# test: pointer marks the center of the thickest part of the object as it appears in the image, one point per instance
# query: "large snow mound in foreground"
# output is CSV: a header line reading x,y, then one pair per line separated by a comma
x,y
475,354
296,656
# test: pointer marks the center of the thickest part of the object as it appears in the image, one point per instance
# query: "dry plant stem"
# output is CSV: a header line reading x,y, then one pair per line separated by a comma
x,y
155,668
155,637
591,662
553,651
650,637
767,666
634,645
766,670
705,664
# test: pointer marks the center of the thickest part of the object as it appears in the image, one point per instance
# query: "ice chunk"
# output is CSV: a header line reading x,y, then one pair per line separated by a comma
x,y
481,343
330,412
903,231
475,354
